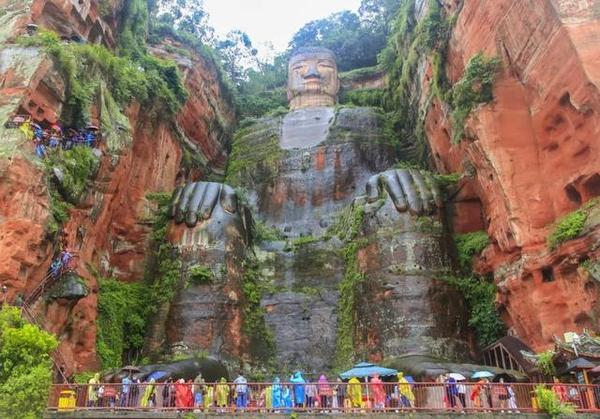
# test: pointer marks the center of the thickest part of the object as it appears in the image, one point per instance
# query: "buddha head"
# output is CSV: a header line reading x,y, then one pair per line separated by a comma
x,y
312,78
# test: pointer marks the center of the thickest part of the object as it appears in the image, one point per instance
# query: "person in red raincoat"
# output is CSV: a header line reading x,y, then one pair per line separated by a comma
x,y
181,396
378,392
189,395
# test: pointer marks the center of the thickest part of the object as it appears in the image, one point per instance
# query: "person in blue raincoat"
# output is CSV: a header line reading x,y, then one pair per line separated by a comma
x,y
287,399
277,399
298,382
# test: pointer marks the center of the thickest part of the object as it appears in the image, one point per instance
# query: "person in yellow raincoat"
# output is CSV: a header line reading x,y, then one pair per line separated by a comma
x,y
148,397
208,397
222,392
268,391
406,394
355,392
93,390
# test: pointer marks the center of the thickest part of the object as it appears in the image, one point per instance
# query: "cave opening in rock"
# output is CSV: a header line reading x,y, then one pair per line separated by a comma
x,y
592,185
573,195
547,274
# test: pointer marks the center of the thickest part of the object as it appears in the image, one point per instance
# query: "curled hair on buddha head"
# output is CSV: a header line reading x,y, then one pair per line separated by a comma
x,y
312,50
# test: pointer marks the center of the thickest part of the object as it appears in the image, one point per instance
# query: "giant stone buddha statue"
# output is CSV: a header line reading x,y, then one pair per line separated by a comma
x,y
302,173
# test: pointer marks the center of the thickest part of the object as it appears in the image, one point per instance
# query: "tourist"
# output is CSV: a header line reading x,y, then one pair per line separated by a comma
x,y
324,391
461,388
149,395
378,392
126,383
197,390
501,394
209,397
180,394
298,381
93,390
134,392
311,394
222,394
277,396
355,393
340,393
241,390
287,399
110,395
406,395
512,399
451,391
560,390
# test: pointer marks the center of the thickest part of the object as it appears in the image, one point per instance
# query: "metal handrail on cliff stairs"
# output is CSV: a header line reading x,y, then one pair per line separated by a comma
x,y
57,357
37,292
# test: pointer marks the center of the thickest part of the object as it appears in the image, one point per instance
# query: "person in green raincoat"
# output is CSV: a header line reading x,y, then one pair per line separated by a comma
x,y
209,392
148,398
222,393
93,390
355,392
268,394
406,394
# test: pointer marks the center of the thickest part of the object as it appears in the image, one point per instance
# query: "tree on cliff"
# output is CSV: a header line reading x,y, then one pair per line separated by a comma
x,y
25,366
184,15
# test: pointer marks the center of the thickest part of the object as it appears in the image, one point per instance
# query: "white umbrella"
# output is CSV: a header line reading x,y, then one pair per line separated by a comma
x,y
457,376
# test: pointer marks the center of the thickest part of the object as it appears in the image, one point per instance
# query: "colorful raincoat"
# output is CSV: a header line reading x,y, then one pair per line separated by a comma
x,y
324,389
405,390
355,392
222,393
148,394
93,389
378,392
298,382
208,397
277,396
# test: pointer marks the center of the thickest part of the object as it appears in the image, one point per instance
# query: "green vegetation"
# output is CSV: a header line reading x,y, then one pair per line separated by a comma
x,y
408,42
362,97
76,168
200,275
130,77
469,245
255,156
121,321
262,232
25,366
446,181
474,88
262,343
480,295
545,363
549,402
348,229
360,73
567,228
298,242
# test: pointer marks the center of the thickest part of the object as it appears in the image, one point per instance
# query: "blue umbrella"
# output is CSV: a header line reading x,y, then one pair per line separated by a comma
x,y
364,369
482,374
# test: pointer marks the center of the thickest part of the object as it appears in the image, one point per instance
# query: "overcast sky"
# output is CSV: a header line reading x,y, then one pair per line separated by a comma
x,y
272,21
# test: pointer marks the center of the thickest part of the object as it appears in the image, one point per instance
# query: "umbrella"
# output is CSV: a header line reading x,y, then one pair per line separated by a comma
x,y
482,374
409,379
596,369
457,376
130,368
364,369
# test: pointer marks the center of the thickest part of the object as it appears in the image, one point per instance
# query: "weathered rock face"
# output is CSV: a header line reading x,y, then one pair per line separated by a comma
x,y
532,152
108,229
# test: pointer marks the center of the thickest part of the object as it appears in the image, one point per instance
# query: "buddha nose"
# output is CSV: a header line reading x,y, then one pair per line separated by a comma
x,y
312,72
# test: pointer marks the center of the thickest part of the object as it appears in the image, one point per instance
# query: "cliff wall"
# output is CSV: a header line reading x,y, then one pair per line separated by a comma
x,y
528,157
141,152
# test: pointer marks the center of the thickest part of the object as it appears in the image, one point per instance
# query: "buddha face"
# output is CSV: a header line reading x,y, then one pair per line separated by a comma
x,y
312,79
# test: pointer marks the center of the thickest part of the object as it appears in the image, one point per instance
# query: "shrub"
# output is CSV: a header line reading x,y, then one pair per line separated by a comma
x,y
77,167
200,274
567,228
25,366
474,88
263,232
548,402
545,363
480,296
121,321
469,245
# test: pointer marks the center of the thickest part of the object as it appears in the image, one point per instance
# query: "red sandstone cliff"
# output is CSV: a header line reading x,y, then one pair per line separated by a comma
x,y
108,229
533,151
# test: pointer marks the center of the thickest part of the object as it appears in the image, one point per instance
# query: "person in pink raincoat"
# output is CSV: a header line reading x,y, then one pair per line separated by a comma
x,y
324,391
378,392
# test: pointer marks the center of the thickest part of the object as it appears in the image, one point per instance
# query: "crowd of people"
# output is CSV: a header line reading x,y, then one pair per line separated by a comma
x,y
298,393
54,137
